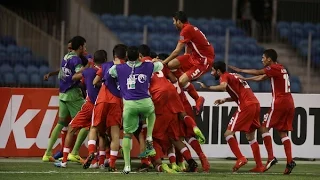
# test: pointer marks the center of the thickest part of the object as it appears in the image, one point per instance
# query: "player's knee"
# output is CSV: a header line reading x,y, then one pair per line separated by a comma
x,y
263,129
283,134
250,136
183,80
228,133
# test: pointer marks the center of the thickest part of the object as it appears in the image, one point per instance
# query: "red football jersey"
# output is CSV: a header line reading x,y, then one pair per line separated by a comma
x,y
239,90
280,82
201,49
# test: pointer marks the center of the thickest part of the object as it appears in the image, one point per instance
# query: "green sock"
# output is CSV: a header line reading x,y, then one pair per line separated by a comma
x,y
126,144
150,124
82,135
53,138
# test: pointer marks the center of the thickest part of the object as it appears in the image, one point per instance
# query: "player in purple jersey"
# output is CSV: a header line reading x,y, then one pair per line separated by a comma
x,y
83,117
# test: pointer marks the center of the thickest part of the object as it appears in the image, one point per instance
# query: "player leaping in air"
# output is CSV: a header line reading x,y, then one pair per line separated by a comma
x,y
281,113
196,62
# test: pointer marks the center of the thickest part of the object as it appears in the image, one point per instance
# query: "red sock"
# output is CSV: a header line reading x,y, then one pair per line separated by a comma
x,y
189,122
287,148
185,153
102,157
92,148
159,168
234,146
256,152
268,144
66,151
192,91
113,158
172,158
107,153
194,143
63,135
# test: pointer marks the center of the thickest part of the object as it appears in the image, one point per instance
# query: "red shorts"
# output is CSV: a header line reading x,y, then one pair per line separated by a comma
x,y
83,117
188,109
280,117
246,120
174,104
108,113
166,126
192,67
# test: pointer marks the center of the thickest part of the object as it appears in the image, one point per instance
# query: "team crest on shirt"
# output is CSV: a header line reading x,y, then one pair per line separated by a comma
x,y
268,67
142,78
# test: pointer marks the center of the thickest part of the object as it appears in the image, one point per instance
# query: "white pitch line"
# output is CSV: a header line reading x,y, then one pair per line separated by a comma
x,y
180,173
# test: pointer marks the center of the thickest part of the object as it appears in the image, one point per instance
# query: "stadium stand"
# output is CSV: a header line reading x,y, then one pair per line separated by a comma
x,y
19,67
244,51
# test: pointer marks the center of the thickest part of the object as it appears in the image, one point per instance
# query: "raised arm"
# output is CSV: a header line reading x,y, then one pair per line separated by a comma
x,y
174,53
248,71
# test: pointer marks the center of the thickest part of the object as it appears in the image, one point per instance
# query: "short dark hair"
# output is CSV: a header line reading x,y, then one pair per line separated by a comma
x,y
120,50
100,56
133,53
271,53
219,65
144,50
70,41
163,56
153,54
180,15
76,42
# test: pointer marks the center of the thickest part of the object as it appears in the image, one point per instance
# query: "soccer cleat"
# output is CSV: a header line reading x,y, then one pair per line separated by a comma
x,y
199,105
175,167
289,167
112,169
101,166
182,166
46,158
94,165
150,151
192,166
60,164
75,158
205,163
58,155
257,169
166,169
126,170
200,137
240,162
88,161
270,163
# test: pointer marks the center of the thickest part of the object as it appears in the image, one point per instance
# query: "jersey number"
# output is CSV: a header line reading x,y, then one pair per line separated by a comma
x,y
286,83
244,83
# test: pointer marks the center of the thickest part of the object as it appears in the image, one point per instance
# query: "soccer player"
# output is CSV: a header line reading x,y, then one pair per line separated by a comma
x,y
194,64
83,117
134,78
245,119
70,96
281,113
107,112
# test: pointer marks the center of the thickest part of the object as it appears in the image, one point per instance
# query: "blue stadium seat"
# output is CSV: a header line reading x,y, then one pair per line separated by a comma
x,y
43,69
6,68
196,85
9,78
8,40
23,78
35,79
211,82
265,86
19,68
32,69
254,86
295,87
206,77
294,79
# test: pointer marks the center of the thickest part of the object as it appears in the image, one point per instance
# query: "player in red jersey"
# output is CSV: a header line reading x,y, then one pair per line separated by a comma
x,y
281,113
167,107
245,119
195,63
107,113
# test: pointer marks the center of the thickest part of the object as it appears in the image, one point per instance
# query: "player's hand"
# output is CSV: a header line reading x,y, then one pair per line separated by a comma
x,y
235,68
46,77
239,76
202,85
219,101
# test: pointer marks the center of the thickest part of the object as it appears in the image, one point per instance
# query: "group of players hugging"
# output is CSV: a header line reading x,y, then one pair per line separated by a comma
x,y
143,94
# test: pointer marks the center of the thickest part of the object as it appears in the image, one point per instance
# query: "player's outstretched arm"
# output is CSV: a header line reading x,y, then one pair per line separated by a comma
x,y
54,73
77,76
255,78
96,81
221,87
174,53
248,71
